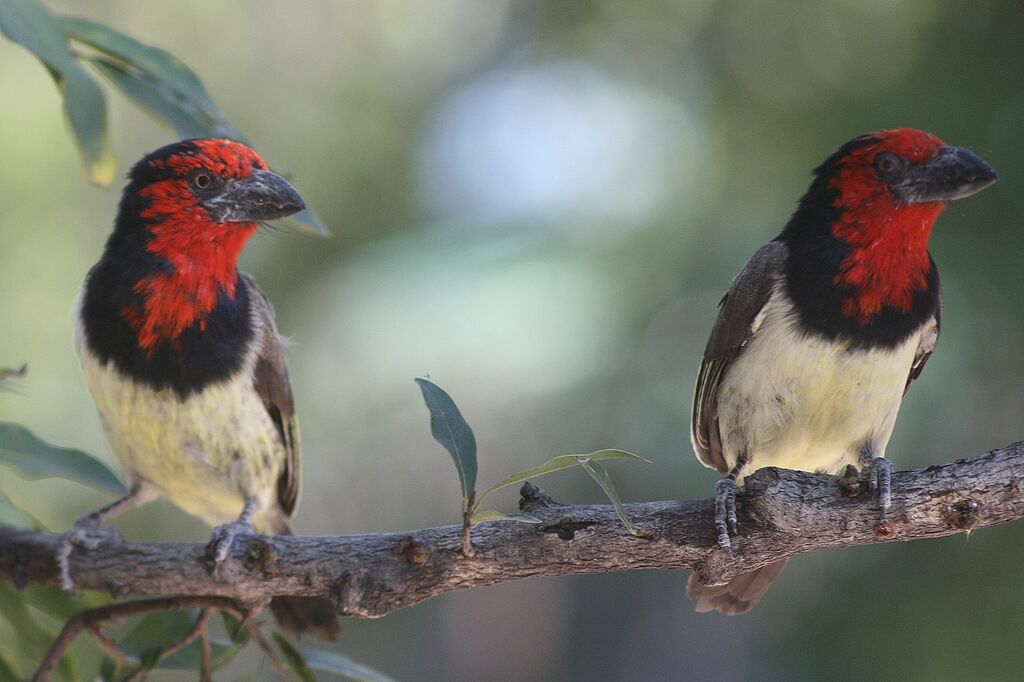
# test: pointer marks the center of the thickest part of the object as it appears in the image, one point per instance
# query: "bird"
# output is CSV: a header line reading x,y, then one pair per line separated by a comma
x,y
821,334
182,357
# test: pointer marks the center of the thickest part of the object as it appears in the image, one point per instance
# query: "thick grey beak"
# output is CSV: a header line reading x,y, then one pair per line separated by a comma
x,y
953,173
261,196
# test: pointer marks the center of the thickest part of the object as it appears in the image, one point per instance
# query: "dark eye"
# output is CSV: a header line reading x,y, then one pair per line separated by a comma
x,y
201,180
887,164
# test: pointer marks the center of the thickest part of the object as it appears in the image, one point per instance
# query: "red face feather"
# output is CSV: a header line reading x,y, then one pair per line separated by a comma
x,y
202,253
889,259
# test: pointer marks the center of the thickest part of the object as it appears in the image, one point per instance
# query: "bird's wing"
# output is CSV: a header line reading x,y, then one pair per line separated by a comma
x,y
270,377
738,319
929,339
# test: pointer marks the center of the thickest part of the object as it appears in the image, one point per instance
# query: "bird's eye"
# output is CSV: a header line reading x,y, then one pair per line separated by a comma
x,y
887,164
202,180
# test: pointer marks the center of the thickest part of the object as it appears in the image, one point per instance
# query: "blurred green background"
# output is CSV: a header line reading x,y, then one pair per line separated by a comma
x,y
538,205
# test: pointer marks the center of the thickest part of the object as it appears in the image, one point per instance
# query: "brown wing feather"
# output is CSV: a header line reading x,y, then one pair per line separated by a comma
x,y
270,377
737,319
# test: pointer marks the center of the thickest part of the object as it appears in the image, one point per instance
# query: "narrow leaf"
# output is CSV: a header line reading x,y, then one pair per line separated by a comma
x,y
453,433
308,222
485,515
171,84
296,663
15,517
157,100
30,24
34,458
557,464
600,474
331,662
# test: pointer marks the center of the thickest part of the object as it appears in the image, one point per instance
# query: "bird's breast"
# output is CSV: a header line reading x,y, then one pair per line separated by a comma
x,y
796,400
206,452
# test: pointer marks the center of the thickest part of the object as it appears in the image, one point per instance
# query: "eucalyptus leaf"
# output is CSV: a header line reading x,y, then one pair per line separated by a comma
x,y
163,69
485,515
558,464
603,479
450,429
35,458
30,24
295,661
331,662
158,100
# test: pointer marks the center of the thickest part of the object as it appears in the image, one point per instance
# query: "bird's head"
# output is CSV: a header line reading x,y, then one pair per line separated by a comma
x,y
893,170
185,215
877,198
204,186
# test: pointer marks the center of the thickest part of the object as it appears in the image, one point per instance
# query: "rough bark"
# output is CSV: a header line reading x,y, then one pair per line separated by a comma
x,y
781,513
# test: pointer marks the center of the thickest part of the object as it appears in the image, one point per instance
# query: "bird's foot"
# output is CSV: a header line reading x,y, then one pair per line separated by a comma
x,y
880,482
86,534
725,512
224,537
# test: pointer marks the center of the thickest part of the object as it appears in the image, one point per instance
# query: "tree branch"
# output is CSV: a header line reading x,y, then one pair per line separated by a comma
x,y
781,513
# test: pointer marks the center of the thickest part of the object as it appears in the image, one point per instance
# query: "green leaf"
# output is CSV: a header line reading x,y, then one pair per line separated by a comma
x,y
557,464
295,661
156,100
453,433
331,662
34,458
33,26
485,515
155,79
600,474
308,222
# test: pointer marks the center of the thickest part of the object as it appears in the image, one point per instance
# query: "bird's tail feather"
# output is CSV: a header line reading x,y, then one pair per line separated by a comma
x,y
737,596
317,616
